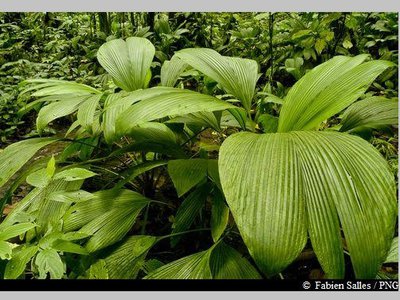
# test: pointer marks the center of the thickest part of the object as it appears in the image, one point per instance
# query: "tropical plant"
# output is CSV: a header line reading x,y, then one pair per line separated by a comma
x,y
297,179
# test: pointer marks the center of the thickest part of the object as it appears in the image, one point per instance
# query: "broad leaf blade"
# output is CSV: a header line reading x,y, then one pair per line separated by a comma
x,y
171,70
340,177
219,215
164,102
16,155
188,211
126,261
128,62
15,230
227,263
186,173
360,186
393,254
57,110
16,266
326,90
195,266
260,178
238,76
372,112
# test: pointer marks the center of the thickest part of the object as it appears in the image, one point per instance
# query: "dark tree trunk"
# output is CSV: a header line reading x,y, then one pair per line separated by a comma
x,y
104,22
150,20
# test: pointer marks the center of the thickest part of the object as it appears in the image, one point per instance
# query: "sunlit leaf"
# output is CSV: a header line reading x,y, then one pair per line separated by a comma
x,y
128,62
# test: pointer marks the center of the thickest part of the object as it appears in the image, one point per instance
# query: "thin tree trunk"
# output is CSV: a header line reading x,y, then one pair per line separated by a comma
x,y
104,23
132,19
150,20
271,46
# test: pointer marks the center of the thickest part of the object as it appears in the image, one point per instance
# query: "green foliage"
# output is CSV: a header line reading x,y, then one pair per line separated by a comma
x,y
239,143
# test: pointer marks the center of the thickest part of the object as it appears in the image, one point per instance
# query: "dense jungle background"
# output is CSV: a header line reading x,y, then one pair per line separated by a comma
x,y
64,46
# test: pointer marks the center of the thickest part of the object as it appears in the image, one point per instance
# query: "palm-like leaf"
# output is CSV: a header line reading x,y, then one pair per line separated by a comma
x,y
326,90
276,184
126,261
128,62
16,155
372,112
218,262
238,76
170,71
158,103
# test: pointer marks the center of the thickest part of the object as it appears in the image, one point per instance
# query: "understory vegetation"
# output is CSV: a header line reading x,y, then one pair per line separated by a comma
x,y
198,145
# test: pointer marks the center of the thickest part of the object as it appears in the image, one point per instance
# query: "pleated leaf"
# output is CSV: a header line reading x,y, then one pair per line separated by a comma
x,y
188,211
58,109
372,112
195,266
393,254
52,87
128,62
187,173
273,182
326,90
220,261
106,218
171,70
260,176
227,263
16,155
219,215
111,112
361,187
86,112
237,76
201,119
126,261
165,102
84,212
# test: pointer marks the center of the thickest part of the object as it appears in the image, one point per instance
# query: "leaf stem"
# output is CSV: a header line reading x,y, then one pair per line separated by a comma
x,y
183,232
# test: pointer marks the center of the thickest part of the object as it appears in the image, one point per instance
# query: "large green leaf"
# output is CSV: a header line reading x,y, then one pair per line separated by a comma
x,y
219,215
186,173
86,112
201,119
17,264
5,250
189,210
55,110
276,184
84,212
238,76
259,176
171,70
53,87
227,263
111,112
372,112
164,102
393,254
106,218
16,155
326,90
15,230
128,62
126,261
195,266
218,262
